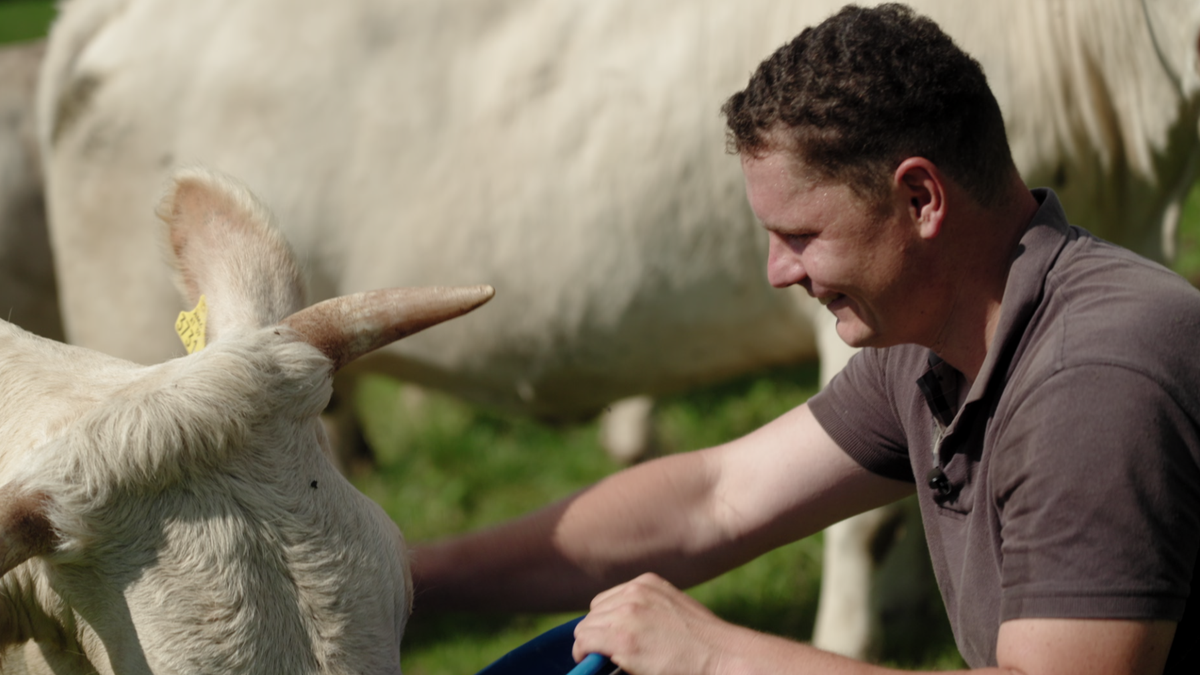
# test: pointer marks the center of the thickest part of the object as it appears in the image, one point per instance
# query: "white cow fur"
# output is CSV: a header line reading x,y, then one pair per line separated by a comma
x,y
196,525
569,151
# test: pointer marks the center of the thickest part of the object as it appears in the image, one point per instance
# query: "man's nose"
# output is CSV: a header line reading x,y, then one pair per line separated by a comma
x,y
784,267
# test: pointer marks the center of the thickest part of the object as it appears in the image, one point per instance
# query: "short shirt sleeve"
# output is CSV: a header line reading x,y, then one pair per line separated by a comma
x,y
857,412
1098,495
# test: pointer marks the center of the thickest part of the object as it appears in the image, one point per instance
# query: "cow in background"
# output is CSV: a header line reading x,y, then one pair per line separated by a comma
x,y
28,296
182,517
571,153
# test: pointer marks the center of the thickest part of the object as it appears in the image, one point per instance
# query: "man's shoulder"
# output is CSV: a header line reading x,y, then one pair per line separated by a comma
x,y
1105,303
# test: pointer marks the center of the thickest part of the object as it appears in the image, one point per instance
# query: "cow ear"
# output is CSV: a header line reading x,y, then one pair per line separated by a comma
x,y
25,529
226,249
345,328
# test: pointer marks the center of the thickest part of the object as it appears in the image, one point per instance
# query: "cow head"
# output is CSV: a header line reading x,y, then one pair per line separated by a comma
x,y
182,518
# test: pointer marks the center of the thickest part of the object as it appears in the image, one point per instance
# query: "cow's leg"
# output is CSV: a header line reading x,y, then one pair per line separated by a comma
x,y
627,430
912,615
848,613
845,621
877,578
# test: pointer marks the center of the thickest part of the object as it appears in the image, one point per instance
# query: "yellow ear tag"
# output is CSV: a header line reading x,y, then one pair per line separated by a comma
x,y
190,326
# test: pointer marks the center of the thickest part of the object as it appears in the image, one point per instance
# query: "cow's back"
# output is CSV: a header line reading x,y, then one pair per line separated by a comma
x,y
570,154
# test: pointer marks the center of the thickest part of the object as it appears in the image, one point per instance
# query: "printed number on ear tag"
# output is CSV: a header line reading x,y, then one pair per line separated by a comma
x,y
190,326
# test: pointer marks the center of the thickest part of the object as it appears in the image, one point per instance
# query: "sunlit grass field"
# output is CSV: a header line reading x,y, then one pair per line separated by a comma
x,y
446,468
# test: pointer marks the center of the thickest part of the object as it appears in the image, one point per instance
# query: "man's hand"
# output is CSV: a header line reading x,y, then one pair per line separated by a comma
x,y
649,626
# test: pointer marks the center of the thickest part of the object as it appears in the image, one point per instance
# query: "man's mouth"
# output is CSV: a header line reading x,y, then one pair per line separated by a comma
x,y
826,299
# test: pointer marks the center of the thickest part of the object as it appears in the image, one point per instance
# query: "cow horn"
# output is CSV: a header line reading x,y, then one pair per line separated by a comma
x,y
345,328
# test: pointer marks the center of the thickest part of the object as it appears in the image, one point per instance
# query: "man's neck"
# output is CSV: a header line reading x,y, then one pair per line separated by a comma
x,y
985,253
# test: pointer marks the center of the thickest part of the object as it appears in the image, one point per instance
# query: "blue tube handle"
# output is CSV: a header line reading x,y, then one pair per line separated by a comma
x,y
590,665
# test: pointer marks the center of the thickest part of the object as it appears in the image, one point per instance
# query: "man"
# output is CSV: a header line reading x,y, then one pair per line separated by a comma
x,y
1034,383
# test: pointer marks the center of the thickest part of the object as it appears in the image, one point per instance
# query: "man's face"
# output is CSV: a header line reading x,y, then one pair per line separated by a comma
x,y
842,250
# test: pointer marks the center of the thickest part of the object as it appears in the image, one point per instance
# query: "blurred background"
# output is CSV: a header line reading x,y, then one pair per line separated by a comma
x,y
444,467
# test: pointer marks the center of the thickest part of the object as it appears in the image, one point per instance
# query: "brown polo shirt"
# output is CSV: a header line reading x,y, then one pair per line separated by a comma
x,y
1068,483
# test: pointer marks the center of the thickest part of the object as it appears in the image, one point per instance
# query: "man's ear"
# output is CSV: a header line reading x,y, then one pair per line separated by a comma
x,y
923,189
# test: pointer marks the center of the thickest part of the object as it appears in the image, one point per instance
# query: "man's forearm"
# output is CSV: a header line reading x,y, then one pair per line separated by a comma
x,y
558,558
514,567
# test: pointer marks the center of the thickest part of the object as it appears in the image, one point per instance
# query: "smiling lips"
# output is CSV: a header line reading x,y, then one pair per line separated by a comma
x,y
826,299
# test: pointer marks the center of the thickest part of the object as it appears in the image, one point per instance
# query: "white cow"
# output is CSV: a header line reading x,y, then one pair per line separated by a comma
x,y
182,518
569,151
28,296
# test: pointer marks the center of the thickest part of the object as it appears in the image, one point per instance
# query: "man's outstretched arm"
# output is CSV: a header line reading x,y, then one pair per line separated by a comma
x,y
688,517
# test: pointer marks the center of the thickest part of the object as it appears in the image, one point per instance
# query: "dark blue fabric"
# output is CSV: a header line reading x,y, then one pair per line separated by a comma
x,y
546,654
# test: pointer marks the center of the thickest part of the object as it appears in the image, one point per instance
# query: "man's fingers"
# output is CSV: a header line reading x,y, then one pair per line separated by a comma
x,y
647,581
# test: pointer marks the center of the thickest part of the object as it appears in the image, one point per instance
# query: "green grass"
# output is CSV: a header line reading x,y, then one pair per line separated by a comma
x,y
24,19
1187,262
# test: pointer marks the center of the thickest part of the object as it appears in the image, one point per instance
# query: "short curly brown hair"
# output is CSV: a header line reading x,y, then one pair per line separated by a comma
x,y
867,88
